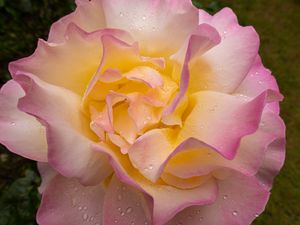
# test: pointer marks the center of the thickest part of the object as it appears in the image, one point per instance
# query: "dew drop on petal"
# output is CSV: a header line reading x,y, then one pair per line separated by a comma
x,y
119,197
119,209
235,213
225,197
12,123
121,14
85,216
79,208
129,210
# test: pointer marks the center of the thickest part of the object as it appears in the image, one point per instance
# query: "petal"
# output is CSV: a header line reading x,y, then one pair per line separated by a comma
x,y
167,200
258,80
240,200
125,205
70,64
66,201
275,153
20,132
224,67
68,133
221,120
205,37
152,22
248,159
147,75
88,16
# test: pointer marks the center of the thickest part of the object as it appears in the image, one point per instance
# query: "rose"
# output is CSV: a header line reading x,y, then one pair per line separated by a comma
x,y
146,112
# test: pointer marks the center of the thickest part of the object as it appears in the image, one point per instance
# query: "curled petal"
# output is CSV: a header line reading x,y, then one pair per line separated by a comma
x,y
223,67
240,200
68,134
20,132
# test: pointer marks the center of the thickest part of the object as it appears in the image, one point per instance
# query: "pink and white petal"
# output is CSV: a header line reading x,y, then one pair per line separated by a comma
x,y
167,200
221,120
240,200
275,153
20,132
149,158
258,80
149,76
225,66
70,64
119,141
152,22
66,201
68,134
205,38
124,205
47,174
248,159
88,16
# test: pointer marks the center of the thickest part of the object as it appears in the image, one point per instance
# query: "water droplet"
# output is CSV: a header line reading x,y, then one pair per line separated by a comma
x,y
12,123
179,223
116,221
129,210
150,167
256,215
146,223
262,124
73,202
132,223
121,14
190,217
122,213
119,197
260,82
201,218
256,73
235,213
119,209
144,17
79,208
198,211
84,208
225,197
148,118
92,218
224,34
85,216
153,28
97,223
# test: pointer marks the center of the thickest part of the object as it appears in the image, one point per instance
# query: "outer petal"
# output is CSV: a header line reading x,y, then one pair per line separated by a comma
x,y
275,153
152,22
70,64
240,200
125,205
257,81
19,131
65,201
250,155
88,16
221,120
68,134
167,200
226,65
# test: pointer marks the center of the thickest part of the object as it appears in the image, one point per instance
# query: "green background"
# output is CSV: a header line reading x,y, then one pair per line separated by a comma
x,y
22,22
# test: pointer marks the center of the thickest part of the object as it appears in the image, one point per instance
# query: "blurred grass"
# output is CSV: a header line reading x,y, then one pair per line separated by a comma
x,y
277,22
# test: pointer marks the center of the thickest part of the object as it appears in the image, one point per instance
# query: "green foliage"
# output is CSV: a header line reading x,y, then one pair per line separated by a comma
x,y
19,197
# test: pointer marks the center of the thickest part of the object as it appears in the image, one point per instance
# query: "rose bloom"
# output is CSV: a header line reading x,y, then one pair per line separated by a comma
x,y
146,112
